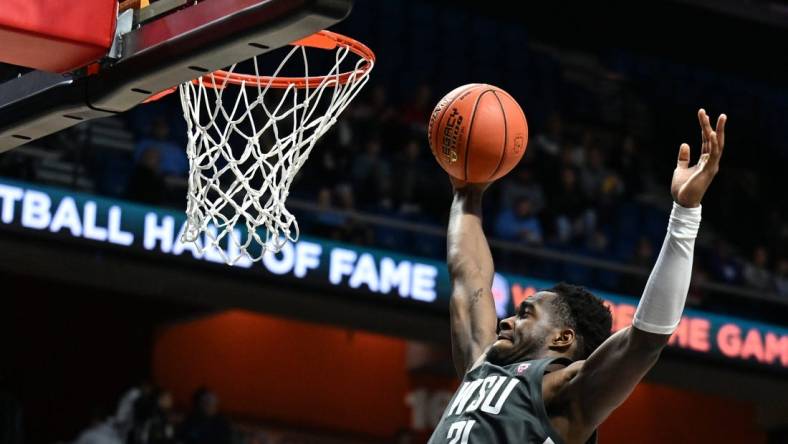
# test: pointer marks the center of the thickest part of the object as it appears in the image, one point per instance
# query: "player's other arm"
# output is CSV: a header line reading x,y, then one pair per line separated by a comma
x,y
610,374
472,309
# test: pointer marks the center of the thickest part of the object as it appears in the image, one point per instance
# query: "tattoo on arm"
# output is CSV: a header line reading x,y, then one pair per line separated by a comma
x,y
476,296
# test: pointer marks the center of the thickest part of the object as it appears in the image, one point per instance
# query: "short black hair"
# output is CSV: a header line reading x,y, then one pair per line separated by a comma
x,y
577,308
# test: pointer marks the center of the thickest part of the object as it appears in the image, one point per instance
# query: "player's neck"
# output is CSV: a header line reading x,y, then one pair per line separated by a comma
x,y
546,354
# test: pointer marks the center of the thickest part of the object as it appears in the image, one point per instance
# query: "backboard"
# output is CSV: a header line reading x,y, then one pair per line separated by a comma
x,y
162,45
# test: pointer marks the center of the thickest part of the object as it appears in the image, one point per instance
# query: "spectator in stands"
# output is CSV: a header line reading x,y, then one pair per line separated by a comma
x,y
599,183
329,223
371,174
631,167
147,183
756,272
172,157
644,253
522,183
550,140
642,258
696,294
102,430
328,167
573,217
415,113
205,425
519,223
597,244
722,265
352,229
411,181
577,155
371,113
143,411
125,413
159,428
781,277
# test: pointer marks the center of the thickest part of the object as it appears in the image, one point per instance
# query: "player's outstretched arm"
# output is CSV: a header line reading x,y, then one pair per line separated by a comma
x,y
472,309
610,374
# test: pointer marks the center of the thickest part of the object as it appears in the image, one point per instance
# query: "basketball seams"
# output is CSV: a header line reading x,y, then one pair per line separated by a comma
x,y
439,120
470,129
519,108
505,136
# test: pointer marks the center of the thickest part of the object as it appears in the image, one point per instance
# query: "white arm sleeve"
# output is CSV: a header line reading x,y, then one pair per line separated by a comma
x,y
662,303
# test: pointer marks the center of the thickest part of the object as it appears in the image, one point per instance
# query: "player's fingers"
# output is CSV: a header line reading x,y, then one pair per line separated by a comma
x,y
709,135
721,132
702,122
684,156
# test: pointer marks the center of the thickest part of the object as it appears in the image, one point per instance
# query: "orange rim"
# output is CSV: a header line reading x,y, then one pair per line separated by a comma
x,y
322,39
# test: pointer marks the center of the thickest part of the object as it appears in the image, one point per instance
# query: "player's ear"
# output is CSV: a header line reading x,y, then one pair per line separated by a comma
x,y
564,338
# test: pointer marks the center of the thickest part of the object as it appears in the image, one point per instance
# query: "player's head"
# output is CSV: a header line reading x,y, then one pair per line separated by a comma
x,y
564,320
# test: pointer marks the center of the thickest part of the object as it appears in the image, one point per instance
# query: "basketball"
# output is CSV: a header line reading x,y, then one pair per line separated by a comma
x,y
478,133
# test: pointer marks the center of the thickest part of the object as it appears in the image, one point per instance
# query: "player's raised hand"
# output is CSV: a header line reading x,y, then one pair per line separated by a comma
x,y
459,184
690,183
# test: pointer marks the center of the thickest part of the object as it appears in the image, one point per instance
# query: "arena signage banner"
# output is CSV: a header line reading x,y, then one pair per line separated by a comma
x,y
327,264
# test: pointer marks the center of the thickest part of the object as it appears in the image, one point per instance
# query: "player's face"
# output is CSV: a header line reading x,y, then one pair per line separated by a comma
x,y
524,335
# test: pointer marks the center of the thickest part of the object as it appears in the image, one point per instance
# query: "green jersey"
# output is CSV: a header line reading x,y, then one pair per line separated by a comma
x,y
499,404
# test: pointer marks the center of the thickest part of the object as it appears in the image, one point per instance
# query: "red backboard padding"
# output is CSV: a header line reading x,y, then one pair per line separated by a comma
x,y
54,35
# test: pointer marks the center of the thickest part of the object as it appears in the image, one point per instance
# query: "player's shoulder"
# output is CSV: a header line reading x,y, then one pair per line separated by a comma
x,y
556,380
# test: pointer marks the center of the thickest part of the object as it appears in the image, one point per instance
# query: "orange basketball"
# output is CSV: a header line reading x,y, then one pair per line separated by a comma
x,y
478,132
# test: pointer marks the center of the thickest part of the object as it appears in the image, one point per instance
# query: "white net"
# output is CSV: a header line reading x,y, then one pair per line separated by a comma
x,y
246,144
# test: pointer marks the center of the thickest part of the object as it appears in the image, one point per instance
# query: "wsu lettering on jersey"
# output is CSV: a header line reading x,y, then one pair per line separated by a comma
x,y
489,394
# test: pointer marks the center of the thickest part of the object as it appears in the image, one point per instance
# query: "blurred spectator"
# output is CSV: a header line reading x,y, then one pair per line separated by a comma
x,y
522,184
573,216
644,254
205,425
143,411
722,265
550,140
125,413
642,258
160,426
147,184
172,157
352,230
415,113
630,165
597,243
329,222
600,184
102,430
781,277
756,273
370,113
577,155
371,174
696,294
411,182
519,223
329,168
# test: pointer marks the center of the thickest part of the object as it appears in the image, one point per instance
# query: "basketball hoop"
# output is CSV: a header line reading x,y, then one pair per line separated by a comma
x,y
237,188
